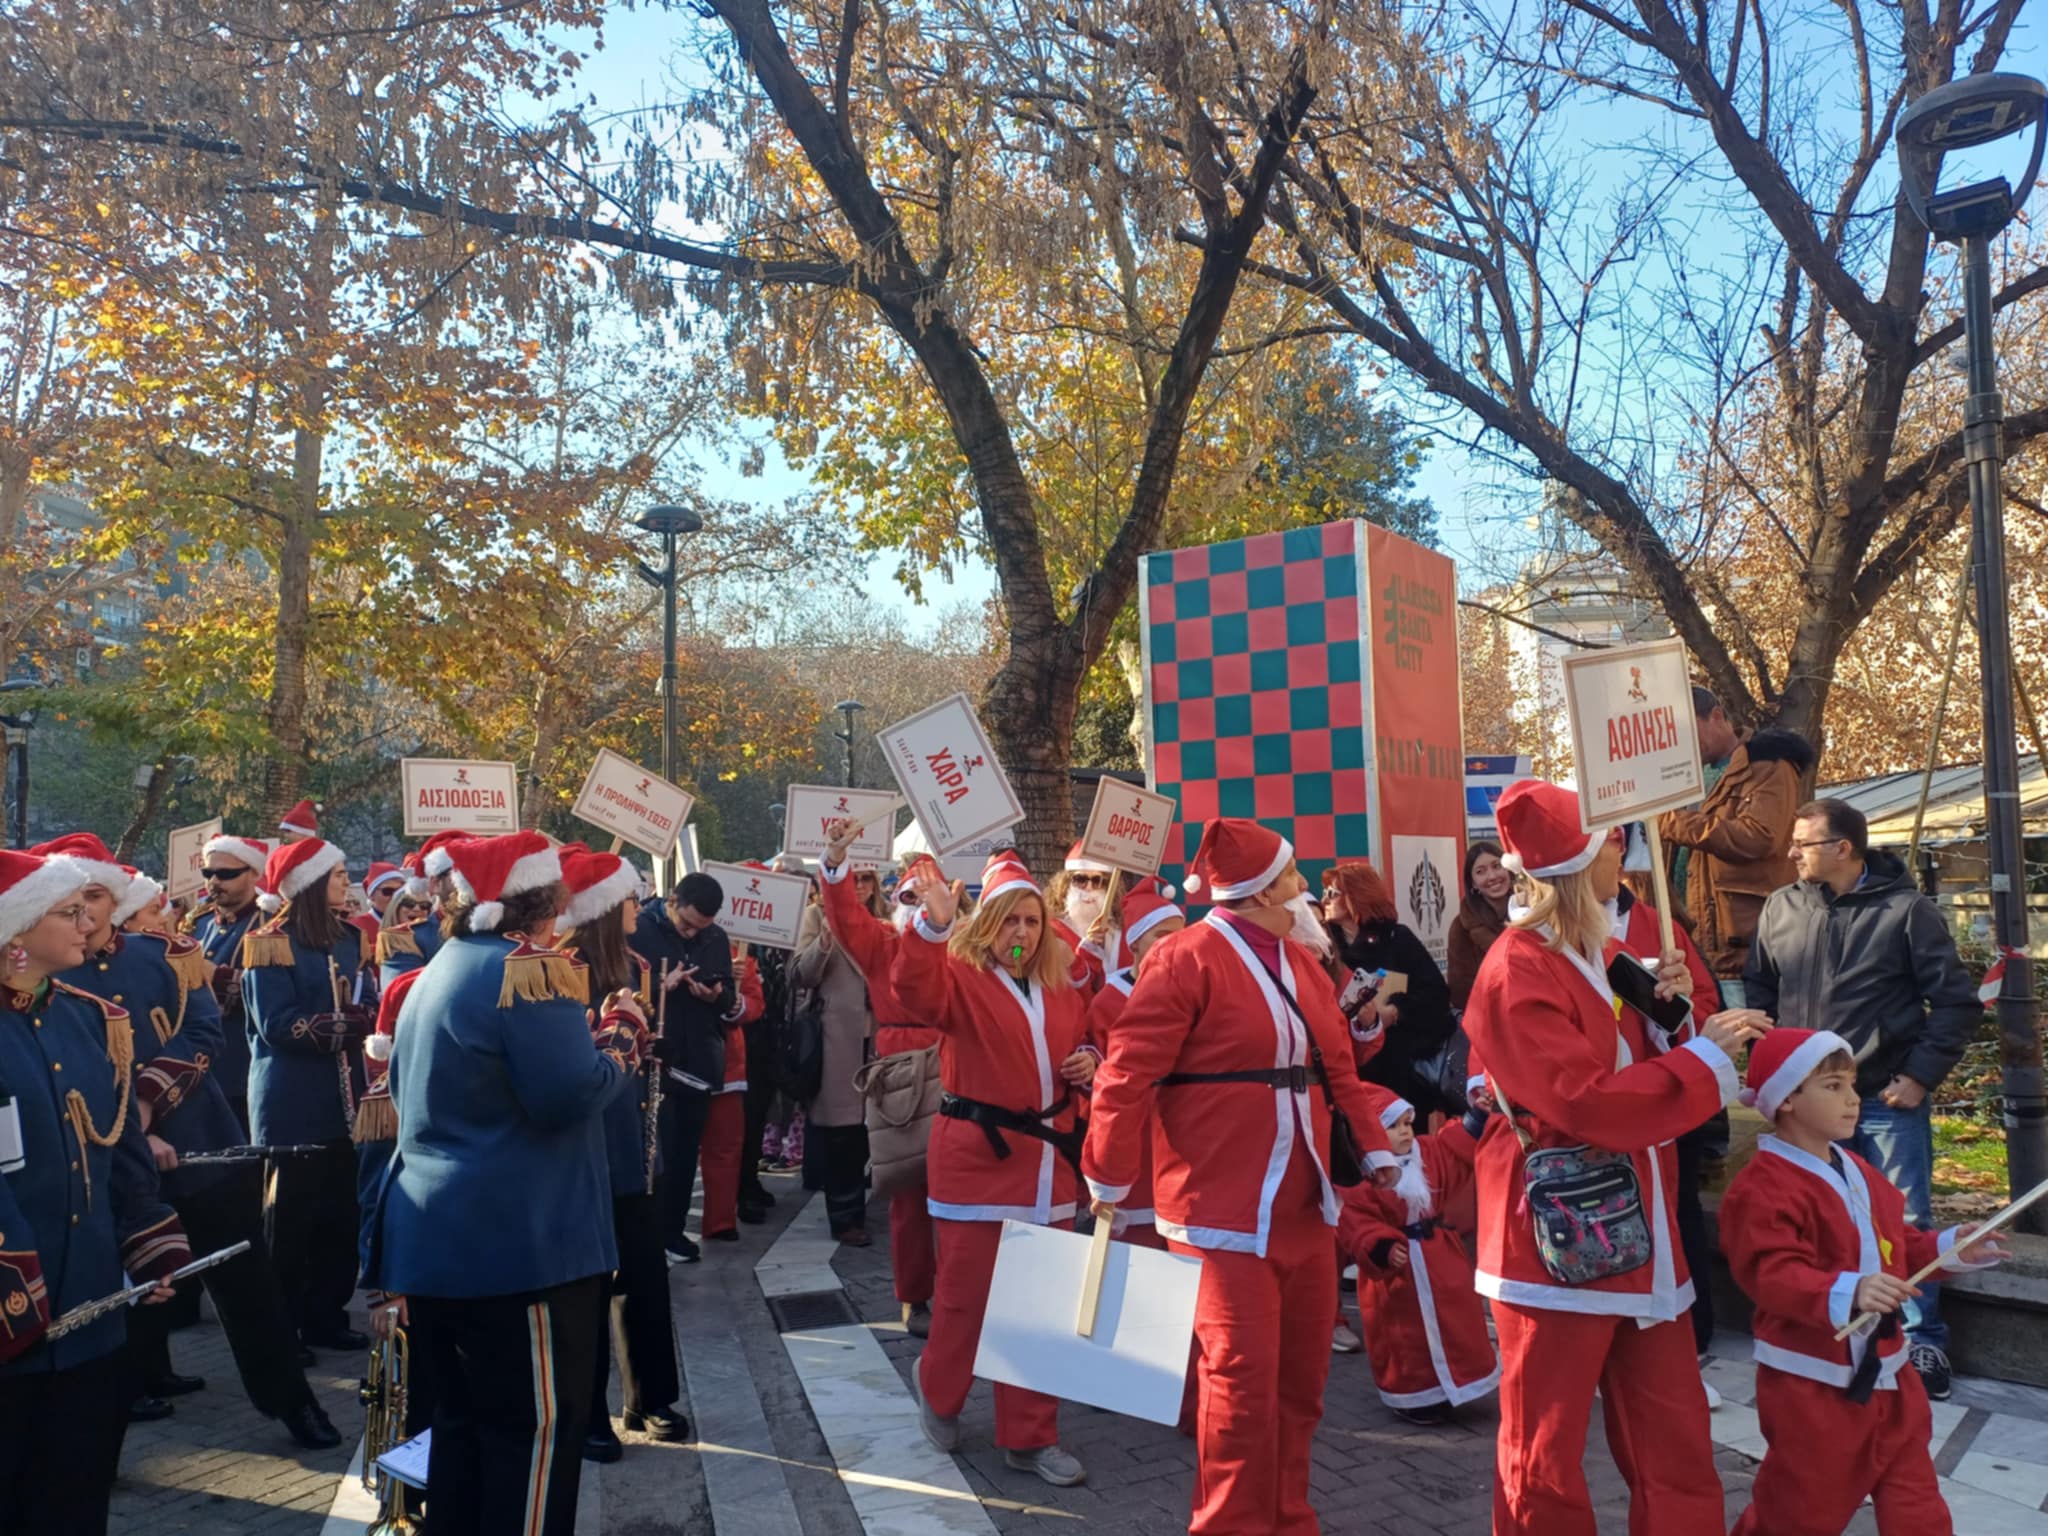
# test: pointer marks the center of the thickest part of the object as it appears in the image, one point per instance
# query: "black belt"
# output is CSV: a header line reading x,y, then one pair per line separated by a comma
x,y
1420,1231
994,1119
1294,1079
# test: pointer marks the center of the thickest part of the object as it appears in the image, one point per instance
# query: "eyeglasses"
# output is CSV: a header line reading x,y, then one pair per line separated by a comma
x,y
1819,842
224,874
68,914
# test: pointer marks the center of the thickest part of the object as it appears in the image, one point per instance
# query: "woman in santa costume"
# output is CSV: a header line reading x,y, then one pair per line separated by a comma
x,y
1578,1244
1012,1052
1224,1038
1424,1324
871,944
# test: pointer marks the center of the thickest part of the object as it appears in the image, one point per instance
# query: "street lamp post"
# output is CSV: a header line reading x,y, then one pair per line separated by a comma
x,y
1964,114
670,523
14,729
849,708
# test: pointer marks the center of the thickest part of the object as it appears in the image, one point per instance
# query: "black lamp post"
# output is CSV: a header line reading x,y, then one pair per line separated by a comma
x,y
1966,113
671,523
14,729
849,708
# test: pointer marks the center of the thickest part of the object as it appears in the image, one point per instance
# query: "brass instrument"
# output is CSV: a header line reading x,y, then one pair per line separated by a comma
x,y
384,1396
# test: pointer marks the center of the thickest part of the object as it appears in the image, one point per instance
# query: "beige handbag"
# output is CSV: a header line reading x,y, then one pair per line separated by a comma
x,y
902,1096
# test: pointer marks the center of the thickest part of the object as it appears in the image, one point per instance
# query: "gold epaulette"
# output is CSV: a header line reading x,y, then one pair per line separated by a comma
x,y
376,1120
395,941
535,975
189,963
269,945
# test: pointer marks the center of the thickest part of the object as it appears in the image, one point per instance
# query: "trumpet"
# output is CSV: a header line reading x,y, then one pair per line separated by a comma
x,y
384,1396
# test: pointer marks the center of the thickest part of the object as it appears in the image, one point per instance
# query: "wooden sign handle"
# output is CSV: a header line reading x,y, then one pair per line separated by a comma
x,y
855,828
1660,881
1865,1320
618,844
1091,1280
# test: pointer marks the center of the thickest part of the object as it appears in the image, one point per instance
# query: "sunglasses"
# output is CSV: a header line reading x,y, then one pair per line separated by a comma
x,y
1089,882
224,874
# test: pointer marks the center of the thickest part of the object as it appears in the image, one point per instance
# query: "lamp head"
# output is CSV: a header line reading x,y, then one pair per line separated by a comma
x,y
670,520
1964,114
849,706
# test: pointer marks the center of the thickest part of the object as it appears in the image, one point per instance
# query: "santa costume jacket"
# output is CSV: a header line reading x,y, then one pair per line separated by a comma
x,y
871,944
1222,1149
1103,1013
1424,1327
1001,1042
1582,1071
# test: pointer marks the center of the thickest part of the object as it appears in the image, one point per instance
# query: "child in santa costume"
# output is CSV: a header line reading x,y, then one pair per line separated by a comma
x,y
1578,1242
1816,1236
1012,1052
1226,1040
1424,1326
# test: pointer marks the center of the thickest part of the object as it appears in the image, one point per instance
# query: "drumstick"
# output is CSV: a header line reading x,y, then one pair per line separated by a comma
x,y
1870,1319
1091,1279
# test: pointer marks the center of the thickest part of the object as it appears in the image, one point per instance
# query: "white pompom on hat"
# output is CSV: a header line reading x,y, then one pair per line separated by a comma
x,y
1782,1060
490,870
1238,858
1540,827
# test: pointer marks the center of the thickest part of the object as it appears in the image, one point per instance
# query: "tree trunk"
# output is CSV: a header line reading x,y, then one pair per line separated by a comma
x,y
284,776
145,813
547,738
1029,712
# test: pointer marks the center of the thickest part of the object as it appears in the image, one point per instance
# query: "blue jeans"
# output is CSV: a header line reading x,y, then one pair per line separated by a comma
x,y
1900,1143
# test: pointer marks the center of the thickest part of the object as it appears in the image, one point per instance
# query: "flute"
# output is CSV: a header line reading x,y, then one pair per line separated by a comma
x,y
92,1311
348,1091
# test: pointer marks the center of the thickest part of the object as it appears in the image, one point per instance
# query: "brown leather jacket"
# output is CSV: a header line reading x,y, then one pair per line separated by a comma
x,y
1473,931
1741,839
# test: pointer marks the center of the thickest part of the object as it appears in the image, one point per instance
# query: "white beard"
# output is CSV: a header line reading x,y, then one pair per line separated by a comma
x,y
1308,929
1083,907
903,916
1413,1186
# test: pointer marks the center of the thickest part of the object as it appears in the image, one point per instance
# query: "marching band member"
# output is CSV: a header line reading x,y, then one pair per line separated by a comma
x,y
1224,1038
1588,1096
409,940
870,942
1424,1326
1013,1049
301,821
599,915
78,1205
494,1221
307,1012
231,867
1149,916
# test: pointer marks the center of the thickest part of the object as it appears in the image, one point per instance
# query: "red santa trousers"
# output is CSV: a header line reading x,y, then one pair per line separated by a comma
x,y
1025,1421
725,1127
913,1260
1263,1329
1826,1453
1656,1412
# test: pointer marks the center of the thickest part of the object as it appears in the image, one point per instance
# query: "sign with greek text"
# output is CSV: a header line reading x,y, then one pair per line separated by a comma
x,y
444,794
810,808
184,857
956,788
1634,738
630,802
761,907
1128,826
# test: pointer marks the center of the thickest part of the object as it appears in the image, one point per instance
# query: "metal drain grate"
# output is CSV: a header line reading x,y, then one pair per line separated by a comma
x,y
811,1309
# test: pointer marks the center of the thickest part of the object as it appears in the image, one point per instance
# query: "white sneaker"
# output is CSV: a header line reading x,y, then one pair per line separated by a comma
x,y
1050,1463
944,1433
1344,1342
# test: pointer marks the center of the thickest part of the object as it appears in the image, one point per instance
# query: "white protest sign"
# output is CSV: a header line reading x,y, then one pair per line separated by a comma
x,y
1128,827
184,857
761,906
445,794
1136,1359
632,803
950,775
1634,737
809,808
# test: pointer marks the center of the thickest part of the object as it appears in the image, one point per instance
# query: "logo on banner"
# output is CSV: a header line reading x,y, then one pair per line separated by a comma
x,y
1427,897
1421,880
1635,685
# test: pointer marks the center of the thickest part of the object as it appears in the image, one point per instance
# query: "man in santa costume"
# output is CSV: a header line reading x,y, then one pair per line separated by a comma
x,y
1424,1325
1224,1038
1578,1245
1816,1236
1090,919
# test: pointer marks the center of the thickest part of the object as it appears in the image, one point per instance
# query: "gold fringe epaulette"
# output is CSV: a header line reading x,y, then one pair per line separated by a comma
x,y
271,946
395,941
376,1120
189,963
542,976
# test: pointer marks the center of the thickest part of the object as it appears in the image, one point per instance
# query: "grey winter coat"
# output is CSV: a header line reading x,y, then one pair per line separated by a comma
x,y
1877,966
819,963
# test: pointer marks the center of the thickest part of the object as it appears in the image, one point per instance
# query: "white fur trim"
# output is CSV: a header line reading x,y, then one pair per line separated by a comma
x,y
533,872
485,916
301,876
1237,890
377,1047
439,862
1012,883
244,851
1083,865
142,891
1797,1068
26,902
1151,920
269,901
371,887
1581,860
594,901
1395,1111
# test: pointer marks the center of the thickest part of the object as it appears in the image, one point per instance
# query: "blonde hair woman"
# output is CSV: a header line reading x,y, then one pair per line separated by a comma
x,y
1012,1033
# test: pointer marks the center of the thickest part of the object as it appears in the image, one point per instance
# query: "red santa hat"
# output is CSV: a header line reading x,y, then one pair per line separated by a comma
x,y
249,852
598,883
1782,1060
1238,858
1146,908
1392,1111
302,820
293,868
1539,824
488,870
31,884
1004,873
101,867
1078,863
435,859
142,892
381,874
